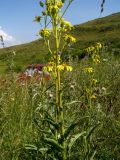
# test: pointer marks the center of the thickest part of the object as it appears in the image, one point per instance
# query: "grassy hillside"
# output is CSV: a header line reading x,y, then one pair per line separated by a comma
x,y
105,30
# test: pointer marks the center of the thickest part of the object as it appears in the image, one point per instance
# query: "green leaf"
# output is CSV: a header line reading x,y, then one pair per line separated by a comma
x,y
74,139
53,143
93,155
51,122
92,130
43,150
70,129
73,102
39,128
67,132
30,147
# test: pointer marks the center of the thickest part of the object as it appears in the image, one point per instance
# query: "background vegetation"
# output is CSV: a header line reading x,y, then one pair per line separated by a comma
x,y
20,104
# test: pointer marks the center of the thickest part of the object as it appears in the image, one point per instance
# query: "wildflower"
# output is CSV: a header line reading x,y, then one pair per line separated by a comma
x,y
44,32
69,39
88,70
88,91
60,67
66,26
72,86
59,4
48,68
90,49
52,10
69,68
96,58
37,19
49,94
93,97
94,81
104,90
99,45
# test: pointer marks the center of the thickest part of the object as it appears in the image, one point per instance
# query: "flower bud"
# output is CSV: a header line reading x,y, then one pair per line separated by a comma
x,y
41,4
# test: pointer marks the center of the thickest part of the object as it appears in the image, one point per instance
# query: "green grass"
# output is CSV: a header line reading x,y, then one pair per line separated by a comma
x,y
22,104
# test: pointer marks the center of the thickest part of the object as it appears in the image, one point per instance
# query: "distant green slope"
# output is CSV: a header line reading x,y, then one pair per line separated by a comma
x,y
105,30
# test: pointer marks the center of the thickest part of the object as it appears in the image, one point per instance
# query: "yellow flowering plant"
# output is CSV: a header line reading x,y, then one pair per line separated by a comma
x,y
93,52
52,15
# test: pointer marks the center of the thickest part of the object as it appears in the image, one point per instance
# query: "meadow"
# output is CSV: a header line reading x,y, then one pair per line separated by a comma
x,y
76,114
21,105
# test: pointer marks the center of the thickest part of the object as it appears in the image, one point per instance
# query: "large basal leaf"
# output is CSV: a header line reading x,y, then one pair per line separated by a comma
x,y
41,130
67,132
74,139
53,143
70,129
54,124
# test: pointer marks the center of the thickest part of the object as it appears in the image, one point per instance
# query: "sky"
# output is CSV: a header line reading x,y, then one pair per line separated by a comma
x,y
16,17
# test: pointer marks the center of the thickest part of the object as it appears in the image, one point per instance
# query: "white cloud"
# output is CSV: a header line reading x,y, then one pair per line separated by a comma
x,y
8,39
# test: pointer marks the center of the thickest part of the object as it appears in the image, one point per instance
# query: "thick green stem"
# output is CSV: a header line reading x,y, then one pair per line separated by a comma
x,y
60,115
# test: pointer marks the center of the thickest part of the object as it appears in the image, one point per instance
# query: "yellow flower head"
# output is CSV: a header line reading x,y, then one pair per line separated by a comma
x,y
52,9
63,67
94,81
69,39
69,68
93,97
60,67
88,70
59,4
44,32
48,68
66,26
99,45
96,58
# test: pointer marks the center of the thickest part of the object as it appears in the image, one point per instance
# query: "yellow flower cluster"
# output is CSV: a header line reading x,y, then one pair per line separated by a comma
x,y
44,33
94,49
66,26
63,67
96,58
53,8
90,49
91,94
48,68
98,45
93,97
69,39
88,70
94,81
